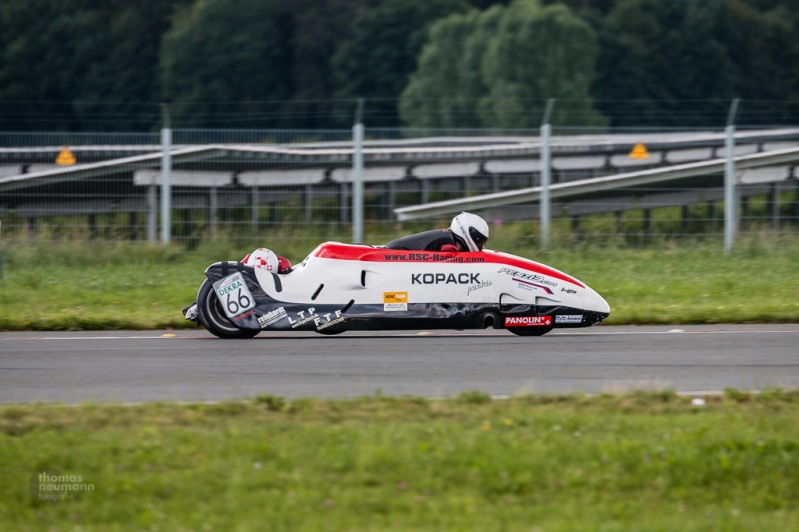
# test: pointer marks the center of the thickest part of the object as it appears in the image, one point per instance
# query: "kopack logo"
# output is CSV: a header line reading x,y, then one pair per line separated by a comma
x,y
444,278
528,321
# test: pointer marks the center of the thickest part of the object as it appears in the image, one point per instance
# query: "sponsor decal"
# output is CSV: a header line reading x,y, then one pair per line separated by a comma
x,y
527,285
572,318
445,278
234,295
477,287
431,257
272,317
242,316
527,276
528,321
329,320
302,319
395,301
568,290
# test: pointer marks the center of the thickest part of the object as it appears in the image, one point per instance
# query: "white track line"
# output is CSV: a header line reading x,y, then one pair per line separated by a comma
x,y
409,335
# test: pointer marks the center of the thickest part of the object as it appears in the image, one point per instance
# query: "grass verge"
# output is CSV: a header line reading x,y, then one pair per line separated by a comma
x,y
610,462
75,287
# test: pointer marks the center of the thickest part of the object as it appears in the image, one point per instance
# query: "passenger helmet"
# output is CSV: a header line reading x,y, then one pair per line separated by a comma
x,y
264,259
470,230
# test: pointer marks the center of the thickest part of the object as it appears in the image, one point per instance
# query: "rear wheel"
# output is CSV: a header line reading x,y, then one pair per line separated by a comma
x,y
530,331
213,317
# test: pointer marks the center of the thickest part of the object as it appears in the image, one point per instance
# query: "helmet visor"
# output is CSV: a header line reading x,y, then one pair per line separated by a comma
x,y
478,238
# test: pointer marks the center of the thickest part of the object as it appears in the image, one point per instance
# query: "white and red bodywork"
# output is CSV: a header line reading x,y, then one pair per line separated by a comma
x,y
342,287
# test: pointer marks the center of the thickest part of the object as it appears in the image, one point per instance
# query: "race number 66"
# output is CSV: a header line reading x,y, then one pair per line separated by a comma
x,y
234,306
233,294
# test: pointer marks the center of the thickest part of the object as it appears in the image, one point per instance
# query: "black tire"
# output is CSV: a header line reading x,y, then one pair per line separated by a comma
x,y
530,331
330,333
213,318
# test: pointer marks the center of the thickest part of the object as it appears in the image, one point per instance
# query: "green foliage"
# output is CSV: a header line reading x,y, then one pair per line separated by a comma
x,y
68,64
79,53
765,47
656,52
228,51
376,62
473,397
496,68
322,27
272,402
448,83
540,53
640,461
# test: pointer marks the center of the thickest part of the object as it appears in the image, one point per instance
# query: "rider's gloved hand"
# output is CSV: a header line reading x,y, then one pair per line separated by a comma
x,y
283,265
449,248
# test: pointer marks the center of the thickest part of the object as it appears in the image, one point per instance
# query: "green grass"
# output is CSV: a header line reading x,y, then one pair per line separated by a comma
x,y
76,286
644,462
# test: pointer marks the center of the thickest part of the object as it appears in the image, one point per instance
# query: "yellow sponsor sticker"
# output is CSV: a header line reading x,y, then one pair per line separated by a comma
x,y
395,297
395,301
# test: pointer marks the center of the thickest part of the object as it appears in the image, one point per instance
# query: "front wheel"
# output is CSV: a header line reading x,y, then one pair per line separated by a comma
x,y
530,331
213,317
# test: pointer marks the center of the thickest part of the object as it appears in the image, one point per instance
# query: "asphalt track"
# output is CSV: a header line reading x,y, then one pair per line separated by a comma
x,y
125,366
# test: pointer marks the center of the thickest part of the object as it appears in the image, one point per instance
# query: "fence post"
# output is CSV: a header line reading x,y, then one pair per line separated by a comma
x,y
546,174
254,207
152,213
730,220
213,205
166,177
357,175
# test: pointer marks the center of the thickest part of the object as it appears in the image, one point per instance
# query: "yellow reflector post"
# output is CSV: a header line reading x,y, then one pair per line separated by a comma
x,y
639,152
65,158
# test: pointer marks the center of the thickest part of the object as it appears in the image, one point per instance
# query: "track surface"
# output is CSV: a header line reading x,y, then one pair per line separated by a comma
x,y
192,365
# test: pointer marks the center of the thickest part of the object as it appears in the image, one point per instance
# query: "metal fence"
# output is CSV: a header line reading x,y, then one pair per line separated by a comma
x,y
638,186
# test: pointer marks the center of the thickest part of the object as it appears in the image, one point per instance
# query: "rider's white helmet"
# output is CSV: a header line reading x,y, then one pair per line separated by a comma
x,y
470,230
264,259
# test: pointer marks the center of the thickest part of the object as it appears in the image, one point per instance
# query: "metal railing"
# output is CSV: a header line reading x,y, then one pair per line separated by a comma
x,y
359,183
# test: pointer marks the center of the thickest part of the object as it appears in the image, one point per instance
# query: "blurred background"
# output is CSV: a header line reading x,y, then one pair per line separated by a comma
x,y
251,105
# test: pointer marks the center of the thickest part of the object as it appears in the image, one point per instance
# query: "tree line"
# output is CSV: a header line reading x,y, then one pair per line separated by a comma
x,y
106,64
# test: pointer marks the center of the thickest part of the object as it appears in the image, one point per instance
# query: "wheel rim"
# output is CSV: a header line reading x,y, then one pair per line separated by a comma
x,y
216,313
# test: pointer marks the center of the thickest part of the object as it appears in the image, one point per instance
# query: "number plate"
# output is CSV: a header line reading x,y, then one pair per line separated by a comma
x,y
233,294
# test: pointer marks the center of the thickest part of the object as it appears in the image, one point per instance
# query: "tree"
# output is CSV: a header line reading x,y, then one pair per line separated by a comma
x,y
376,63
322,27
658,53
767,55
498,68
540,53
56,57
228,58
443,91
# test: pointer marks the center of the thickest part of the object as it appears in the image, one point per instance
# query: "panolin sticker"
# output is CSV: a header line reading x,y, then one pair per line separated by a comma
x,y
570,318
395,301
528,321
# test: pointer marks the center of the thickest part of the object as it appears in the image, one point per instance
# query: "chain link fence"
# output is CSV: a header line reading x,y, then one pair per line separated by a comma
x,y
250,186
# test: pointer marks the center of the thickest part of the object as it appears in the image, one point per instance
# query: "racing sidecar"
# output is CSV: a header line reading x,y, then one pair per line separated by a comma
x,y
343,287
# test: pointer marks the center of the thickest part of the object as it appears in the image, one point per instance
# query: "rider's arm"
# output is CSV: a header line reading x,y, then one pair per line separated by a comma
x,y
283,265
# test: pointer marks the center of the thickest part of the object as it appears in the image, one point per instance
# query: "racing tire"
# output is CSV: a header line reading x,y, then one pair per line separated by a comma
x,y
213,318
330,333
530,331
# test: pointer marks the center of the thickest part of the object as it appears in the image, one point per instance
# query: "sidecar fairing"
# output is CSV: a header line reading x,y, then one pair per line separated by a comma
x,y
341,287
